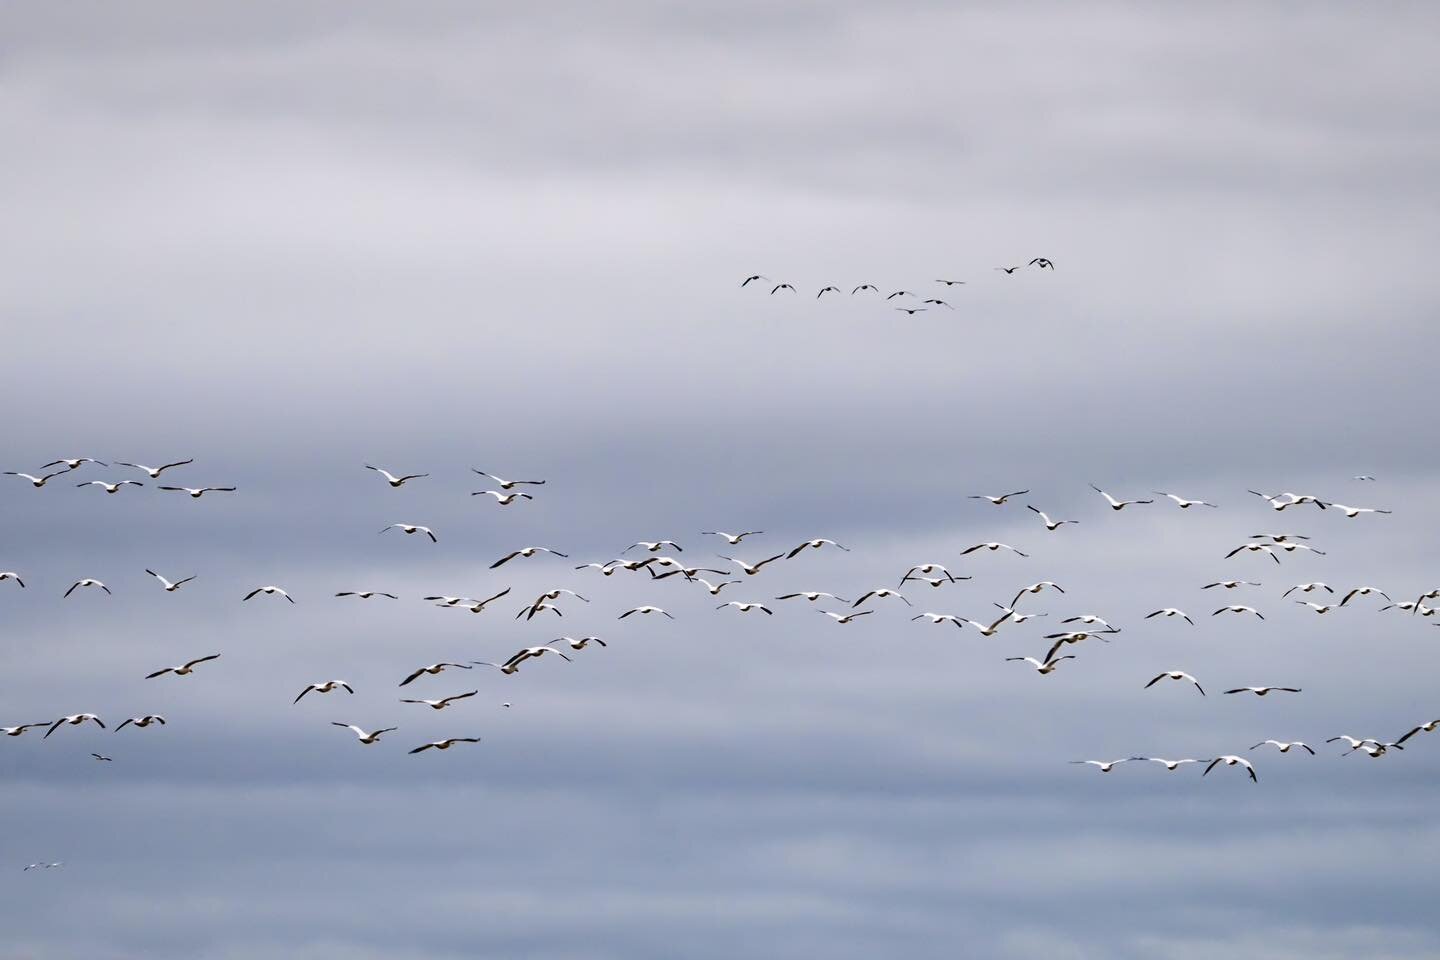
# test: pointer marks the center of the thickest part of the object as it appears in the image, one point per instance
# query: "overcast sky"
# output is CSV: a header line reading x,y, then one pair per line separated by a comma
x,y
290,238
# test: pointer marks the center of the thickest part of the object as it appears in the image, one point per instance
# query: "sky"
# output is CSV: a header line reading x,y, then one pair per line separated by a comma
x,y
289,239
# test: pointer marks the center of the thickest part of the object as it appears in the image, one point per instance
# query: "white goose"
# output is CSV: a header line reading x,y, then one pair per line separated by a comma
x,y
443,702
1262,691
74,720
881,593
154,472
366,594
1171,765
1230,584
1036,588
1176,675
324,687
731,538
1363,592
269,591
167,585
1117,504
185,669
1051,525
532,653
1042,668
141,721
445,744
11,575
507,484
393,480
750,569
21,728
413,528
1318,607
197,492
73,463
938,618
36,482
930,568
527,553
654,546
363,736
432,670
843,618
1184,504
1238,608
87,582
1171,612
1233,761
1104,766
811,595
1284,745
998,501
502,499
714,588
1309,588
111,487
1253,547
580,643
744,607
645,609
992,546
1353,512
1428,727
1090,619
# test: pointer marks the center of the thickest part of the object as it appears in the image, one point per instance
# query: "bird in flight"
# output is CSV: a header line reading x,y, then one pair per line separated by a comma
x,y
756,276
1184,504
142,721
413,528
1042,668
781,286
197,492
843,618
732,538
744,607
21,728
1176,675
185,669
36,482
1233,761
445,744
393,480
1002,498
1238,608
361,735
750,569
525,552
153,472
1171,612
1051,525
1230,584
433,669
11,575
74,464
111,487
1104,766
270,590
1357,592
992,546
1284,746
508,484
74,720
167,585
1042,263
324,687
813,545
87,582
1117,504
825,290
367,594
1261,691
443,702
644,609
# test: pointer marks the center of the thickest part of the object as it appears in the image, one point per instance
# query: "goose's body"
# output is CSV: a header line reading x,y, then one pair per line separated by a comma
x,y
1171,612
74,720
1233,761
393,480
1176,675
1042,668
365,737
508,484
744,607
111,487
270,590
154,472
432,670
445,744
87,582
526,552
1051,525
184,669
167,585
443,702
1284,746
196,493
11,575
1117,504
645,609
141,721
410,528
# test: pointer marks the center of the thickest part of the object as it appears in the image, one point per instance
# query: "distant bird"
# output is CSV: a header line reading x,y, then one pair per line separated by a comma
x,y
444,702
929,568
474,606
1230,584
413,528
952,283
1042,263
106,759
607,569
992,546
142,721
363,736
1284,746
110,487
87,582
36,482
815,545
432,670
532,653
644,609
865,286
507,484
1007,269
900,293
1355,742
843,618
1051,525
1289,547
270,590
185,669
711,588
911,310
1090,619
1278,537
503,499
938,303
1036,588
781,286
1309,588
757,276
197,492
1061,639
11,575
1318,607
324,687
18,730
74,720
526,552
1104,766
1238,608
746,607
1357,592
166,584
654,546
393,480
153,472
938,618
1373,748
1043,668
1171,765
1171,612
811,595
1176,675
1410,606
1428,727
932,581
445,744
538,606
1353,512
1184,504
880,593
581,643
554,594
825,290
1116,504
1256,548
1261,691
750,569
1017,617
44,866
366,594
1233,761
74,464
732,538
1003,498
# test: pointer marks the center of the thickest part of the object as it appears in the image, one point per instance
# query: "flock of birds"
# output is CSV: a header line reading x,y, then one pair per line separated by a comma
x,y
660,560
906,298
